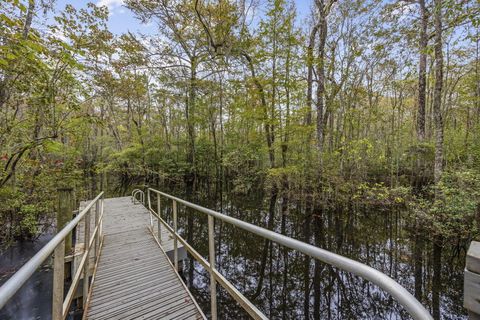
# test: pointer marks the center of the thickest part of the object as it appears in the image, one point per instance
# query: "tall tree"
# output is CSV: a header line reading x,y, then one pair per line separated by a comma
x,y
322,10
422,70
437,96
186,52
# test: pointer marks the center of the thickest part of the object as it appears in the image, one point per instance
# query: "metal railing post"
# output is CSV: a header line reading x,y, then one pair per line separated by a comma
x,y
148,199
149,206
102,205
86,267
158,220
58,279
97,217
211,258
175,243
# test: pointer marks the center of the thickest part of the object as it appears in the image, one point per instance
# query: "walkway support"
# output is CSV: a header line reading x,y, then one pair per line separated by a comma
x,y
401,295
65,213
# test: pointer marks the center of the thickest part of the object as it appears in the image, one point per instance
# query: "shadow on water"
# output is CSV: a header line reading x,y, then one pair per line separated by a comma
x,y
34,299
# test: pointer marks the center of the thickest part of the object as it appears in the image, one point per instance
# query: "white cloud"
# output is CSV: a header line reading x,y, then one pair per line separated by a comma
x,y
110,4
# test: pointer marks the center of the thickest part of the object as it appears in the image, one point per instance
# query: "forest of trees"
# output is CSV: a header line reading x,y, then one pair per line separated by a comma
x,y
364,103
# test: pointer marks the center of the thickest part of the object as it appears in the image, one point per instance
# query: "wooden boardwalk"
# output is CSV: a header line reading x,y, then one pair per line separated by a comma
x,y
134,278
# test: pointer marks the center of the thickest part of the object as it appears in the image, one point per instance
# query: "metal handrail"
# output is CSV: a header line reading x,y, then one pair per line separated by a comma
x,y
57,245
404,298
134,194
142,196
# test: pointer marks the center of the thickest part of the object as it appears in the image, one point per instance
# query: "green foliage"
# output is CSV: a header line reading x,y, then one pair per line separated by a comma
x,y
242,166
277,177
21,217
28,216
43,126
454,214
223,99
379,195
10,199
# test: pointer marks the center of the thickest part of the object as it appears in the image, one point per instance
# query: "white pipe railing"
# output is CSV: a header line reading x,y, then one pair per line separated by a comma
x,y
399,293
56,245
136,192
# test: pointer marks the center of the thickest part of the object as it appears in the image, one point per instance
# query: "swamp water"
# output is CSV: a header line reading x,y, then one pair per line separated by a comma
x,y
286,285
279,281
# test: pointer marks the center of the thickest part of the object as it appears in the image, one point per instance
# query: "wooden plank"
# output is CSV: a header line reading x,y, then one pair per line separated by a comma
x,y
141,303
126,294
58,279
473,257
134,278
119,284
471,286
472,292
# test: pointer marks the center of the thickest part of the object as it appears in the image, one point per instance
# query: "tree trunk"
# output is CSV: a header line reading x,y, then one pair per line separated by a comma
x,y
437,97
190,109
269,134
422,72
477,77
321,73
28,19
311,45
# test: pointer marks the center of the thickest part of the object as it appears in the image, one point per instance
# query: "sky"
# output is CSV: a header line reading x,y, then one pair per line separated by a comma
x,y
122,20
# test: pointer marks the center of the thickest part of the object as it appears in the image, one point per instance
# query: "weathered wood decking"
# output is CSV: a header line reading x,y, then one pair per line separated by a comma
x,y
134,278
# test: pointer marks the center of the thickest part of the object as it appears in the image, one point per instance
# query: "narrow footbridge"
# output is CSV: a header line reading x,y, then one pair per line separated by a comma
x,y
126,259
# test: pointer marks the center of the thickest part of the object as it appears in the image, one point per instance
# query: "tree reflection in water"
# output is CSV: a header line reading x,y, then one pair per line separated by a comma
x,y
288,285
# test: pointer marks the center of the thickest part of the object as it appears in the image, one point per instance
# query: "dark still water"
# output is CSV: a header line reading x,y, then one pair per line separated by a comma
x,y
287,285
34,299
281,282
